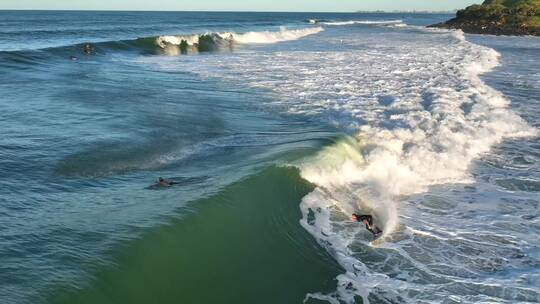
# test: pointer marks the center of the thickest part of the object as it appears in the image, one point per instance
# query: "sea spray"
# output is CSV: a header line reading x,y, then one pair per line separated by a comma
x,y
263,37
371,172
365,22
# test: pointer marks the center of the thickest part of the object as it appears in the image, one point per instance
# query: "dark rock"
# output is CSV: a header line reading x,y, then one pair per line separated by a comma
x,y
498,17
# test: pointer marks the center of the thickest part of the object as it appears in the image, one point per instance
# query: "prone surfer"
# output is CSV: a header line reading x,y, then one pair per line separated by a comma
x,y
164,183
368,221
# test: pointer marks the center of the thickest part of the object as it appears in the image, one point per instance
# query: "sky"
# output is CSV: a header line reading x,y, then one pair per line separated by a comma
x,y
239,5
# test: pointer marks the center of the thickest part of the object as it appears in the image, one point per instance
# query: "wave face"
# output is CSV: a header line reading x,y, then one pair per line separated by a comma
x,y
222,39
418,115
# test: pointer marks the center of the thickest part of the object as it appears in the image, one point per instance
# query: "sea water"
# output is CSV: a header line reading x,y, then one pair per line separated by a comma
x,y
276,126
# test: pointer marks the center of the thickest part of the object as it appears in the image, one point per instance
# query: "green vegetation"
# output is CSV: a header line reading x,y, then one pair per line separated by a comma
x,y
507,17
520,9
535,21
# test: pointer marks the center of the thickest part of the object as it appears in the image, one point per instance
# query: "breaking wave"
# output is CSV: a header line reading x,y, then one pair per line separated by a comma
x,y
417,114
435,143
263,37
174,45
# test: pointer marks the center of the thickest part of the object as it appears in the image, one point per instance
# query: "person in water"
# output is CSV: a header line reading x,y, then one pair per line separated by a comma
x,y
165,183
88,49
368,221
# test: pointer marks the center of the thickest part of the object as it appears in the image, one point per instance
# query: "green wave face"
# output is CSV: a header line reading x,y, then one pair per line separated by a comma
x,y
243,245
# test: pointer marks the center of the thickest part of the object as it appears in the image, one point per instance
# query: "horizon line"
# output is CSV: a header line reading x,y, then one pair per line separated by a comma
x,y
236,11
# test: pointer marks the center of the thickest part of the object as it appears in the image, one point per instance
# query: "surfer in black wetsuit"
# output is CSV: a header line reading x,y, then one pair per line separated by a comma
x,y
165,183
368,221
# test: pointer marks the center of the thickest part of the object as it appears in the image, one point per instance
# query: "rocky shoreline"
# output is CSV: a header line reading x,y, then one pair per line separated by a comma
x,y
488,27
496,18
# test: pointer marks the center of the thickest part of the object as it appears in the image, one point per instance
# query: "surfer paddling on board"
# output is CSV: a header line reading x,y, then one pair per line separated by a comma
x,y
164,183
368,221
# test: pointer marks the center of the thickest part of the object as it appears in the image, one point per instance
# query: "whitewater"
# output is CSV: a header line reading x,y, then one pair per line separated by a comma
x,y
418,115
263,37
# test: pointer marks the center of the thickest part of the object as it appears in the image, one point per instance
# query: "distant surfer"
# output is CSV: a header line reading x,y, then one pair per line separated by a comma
x,y
88,49
73,58
368,221
165,183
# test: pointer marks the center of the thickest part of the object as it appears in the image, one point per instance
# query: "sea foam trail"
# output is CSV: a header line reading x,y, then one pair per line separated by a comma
x,y
263,37
418,115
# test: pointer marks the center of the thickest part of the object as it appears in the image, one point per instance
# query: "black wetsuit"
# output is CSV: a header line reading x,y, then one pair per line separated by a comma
x,y
165,183
369,218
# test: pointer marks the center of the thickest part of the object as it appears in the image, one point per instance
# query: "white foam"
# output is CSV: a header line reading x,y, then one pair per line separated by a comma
x,y
351,22
435,144
272,37
263,37
418,114
399,25
162,41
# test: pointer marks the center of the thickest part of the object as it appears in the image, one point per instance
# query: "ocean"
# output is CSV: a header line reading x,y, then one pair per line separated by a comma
x,y
276,127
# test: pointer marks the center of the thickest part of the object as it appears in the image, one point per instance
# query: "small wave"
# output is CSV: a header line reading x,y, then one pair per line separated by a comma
x,y
398,25
351,22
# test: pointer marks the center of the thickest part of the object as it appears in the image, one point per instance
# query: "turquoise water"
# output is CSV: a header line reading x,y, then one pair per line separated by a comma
x,y
276,127
242,245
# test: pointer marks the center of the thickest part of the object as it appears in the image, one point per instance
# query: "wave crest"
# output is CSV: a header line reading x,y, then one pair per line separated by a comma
x,y
380,166
263,37
418,115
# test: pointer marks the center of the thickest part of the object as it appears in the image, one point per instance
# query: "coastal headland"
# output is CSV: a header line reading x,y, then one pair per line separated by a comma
x,y
498,17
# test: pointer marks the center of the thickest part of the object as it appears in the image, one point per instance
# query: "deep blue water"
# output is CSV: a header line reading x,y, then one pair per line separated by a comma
x,y
84,137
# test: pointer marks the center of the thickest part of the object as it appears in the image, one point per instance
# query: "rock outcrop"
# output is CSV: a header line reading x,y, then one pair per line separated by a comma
x,y
498,17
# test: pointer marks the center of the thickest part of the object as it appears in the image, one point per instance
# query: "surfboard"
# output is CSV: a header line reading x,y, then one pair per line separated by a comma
x,y
378,239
